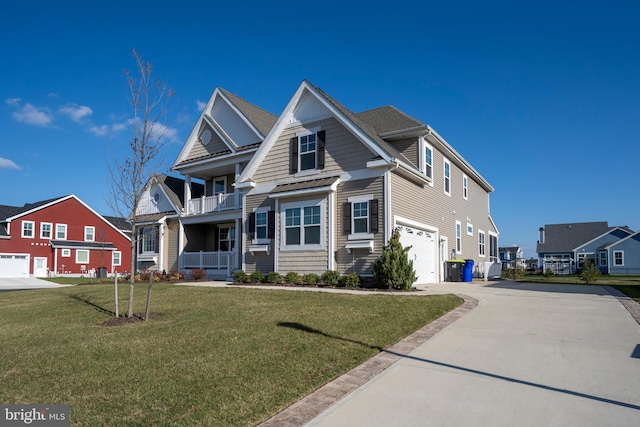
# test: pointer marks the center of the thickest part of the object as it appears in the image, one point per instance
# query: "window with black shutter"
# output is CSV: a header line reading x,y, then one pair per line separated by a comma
x,y
307,152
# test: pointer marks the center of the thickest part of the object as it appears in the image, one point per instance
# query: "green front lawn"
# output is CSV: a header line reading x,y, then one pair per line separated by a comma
x,y
214,356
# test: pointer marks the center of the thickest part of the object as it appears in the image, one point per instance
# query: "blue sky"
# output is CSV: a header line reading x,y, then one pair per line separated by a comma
x,y
542,98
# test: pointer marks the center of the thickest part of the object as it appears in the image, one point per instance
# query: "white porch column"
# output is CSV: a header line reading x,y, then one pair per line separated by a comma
x,y
187,192
180,246
237,193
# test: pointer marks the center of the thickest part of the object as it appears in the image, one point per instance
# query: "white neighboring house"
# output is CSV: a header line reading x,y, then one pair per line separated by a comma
x,y
158,223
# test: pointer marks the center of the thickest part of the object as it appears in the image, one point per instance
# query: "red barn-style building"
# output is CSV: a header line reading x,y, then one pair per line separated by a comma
x,y
60,236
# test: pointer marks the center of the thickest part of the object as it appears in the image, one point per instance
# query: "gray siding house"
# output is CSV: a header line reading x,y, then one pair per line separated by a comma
x,y
622,256
327,187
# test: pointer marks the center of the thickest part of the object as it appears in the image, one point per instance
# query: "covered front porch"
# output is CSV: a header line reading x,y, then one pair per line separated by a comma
x,y
212,247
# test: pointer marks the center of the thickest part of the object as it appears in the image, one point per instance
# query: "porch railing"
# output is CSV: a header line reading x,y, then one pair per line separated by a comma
x,y
220,260
219,202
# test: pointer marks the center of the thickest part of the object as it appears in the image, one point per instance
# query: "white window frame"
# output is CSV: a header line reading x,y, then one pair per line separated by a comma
x,y
82,251
116,258
65,253
615,261
154,235
425,167
32,229
360,199
469,229
64,228
302,134
446,165
602,257
482,241
92,234
458,237
213,185
261,240
42,225
465,187
231,237
322,203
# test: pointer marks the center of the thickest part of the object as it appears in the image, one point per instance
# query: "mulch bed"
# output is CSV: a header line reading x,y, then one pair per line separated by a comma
x,y
321,286
124,320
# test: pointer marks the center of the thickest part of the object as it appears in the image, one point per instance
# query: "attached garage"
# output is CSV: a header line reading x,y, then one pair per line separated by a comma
x,y
14,265
423,251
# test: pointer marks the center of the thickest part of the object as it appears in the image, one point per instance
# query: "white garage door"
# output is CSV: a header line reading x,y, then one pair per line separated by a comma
x,y
14,265
423,252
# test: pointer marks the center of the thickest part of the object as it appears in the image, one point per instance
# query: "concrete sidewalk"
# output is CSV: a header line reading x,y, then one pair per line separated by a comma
x,y
16,284
527,355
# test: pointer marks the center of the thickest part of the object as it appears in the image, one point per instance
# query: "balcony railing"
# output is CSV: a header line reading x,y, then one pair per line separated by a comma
x,y
221,260
217,203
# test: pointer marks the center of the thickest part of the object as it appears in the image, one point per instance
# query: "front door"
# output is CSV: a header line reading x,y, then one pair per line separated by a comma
x,y
39,267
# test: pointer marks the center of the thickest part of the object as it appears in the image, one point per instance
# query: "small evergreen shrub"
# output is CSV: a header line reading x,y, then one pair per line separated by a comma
x,y
393,269
310,278
240,276
590,273
331,278
274,277
351,280
292,277
257,277
548,273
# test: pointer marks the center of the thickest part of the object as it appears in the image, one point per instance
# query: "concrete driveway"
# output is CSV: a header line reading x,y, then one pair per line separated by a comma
x,y
25,283
527,355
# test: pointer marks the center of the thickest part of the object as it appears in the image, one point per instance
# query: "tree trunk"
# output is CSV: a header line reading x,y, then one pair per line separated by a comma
x,y
115,291
146,311
133,269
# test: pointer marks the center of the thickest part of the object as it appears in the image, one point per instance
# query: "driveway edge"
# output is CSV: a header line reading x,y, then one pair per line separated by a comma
x,y
629,303
309,407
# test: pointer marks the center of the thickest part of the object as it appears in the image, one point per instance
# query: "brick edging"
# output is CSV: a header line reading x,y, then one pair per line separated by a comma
x,y
312,405
629,303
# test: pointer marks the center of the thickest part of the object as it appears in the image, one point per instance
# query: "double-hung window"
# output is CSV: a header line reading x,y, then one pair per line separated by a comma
x,y
307,151
27,229
89,234
481,247
427,159
618,258
465,187
117,258
360,217
458,237
61,231
82,256
303,225
149,240
45,230
447,178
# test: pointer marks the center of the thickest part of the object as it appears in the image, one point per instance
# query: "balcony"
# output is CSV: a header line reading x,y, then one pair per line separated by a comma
x,y
219,202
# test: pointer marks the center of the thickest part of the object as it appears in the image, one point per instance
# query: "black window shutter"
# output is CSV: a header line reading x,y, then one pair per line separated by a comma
x,y
346,218
140,234
321,144
293,154
373,216
157,239
252,225
271,224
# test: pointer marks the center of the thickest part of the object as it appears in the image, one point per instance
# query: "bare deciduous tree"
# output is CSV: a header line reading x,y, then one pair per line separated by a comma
x,y
130,171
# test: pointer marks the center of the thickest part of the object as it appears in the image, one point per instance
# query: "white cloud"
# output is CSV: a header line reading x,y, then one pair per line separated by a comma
x,y
201,105
76,112
33,115
8,164
99,130
12,101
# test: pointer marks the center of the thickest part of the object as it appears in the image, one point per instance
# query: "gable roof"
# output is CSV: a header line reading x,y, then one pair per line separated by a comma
x,y
635,236
258,120
362,130
9,213
567,237
174,188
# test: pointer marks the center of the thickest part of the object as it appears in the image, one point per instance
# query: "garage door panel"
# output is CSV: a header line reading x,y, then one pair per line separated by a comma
x,y
14,265
422,252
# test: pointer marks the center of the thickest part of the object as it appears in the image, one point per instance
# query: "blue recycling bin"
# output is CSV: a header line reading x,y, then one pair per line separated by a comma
x,y
467,271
